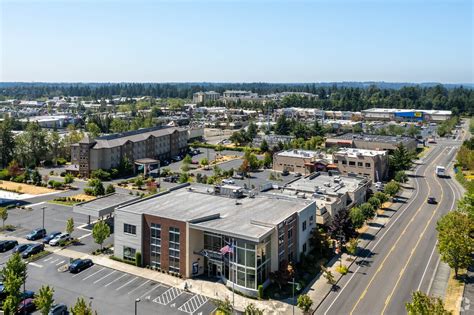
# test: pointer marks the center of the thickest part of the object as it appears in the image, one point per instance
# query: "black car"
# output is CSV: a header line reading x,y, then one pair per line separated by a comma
x,y
431,200
36,234
7,245
80,264
32,249
27,295
58,309
50,236
20,248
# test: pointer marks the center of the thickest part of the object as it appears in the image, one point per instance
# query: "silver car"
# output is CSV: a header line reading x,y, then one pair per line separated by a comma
x,y
61,237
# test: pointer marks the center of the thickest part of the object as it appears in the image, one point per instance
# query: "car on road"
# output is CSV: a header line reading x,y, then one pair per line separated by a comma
x,y
48,238
20,248
36,234
238,176
431,200
58,309
228,181
26,306
80,264
7,245
32,250
63,237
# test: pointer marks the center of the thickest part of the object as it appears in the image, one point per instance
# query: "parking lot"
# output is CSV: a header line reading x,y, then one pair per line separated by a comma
x,y
111,291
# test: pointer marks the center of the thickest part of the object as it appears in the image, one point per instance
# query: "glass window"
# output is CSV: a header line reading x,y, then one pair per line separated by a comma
x,y
129,253
359,164
304,225
250,258
240,256
129,229
241,278
250,278
367,164
352,163
155,245
311,220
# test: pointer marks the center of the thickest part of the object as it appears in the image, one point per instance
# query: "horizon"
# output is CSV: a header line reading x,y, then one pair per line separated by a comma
x,y
237,41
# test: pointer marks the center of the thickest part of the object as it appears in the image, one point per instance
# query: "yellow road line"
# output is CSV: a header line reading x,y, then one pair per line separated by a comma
x,y
396,242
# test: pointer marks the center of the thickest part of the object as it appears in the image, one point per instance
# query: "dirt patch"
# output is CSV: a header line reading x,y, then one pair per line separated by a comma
x,y
83,197
363,229
454,291
24,188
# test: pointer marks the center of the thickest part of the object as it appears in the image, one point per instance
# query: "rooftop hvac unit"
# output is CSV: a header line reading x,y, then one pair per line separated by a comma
x,y
328,184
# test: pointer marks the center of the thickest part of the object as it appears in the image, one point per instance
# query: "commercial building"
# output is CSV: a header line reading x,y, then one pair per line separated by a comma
x,y
370,163
109,151
236,94
203,97
371,142
300,161
393,114
216,232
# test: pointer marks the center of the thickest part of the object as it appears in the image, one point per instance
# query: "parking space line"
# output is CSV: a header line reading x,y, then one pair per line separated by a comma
x,y
168,296
115,280
61,262
84,236
48,259
155,287
104,277
35,265
92,274
126,283
139,286
53,261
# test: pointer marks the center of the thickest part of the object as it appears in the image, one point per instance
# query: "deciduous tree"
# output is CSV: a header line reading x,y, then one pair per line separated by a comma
x,y
422,304
100,232
44,299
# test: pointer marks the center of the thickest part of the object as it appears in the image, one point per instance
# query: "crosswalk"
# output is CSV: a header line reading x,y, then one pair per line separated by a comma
x,y
193,304
168,296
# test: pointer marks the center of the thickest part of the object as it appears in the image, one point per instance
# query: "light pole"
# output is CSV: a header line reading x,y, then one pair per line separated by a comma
x,y
136,304
290,270
42,208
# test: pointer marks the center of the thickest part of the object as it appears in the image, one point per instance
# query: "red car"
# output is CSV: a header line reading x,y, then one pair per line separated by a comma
x,y
26,306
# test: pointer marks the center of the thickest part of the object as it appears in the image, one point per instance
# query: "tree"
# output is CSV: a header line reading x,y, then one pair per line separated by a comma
x,y
183,178
282,126
382,197
187,159
367,210
31,147
251,131
68,179
341,227
3,215
139,182
204,162
320,242
304,303
357,217
251,309
44,299
375,202
328,275
55,144
422,304
110,189
36,177
14,275
401,177
97,188
267,159
455,242
7,141
352,246
70,226
264,146
93,129
81,308
225,307
100,232
392,188
400,159
466,205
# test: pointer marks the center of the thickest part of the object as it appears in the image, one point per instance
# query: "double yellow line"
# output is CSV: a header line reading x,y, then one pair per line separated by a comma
x,y
387,301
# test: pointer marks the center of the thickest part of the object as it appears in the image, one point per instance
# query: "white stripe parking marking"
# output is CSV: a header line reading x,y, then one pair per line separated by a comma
x,y
115,280
92,274
104,277
48,259
126,283
193,304
168,296
53,261
61,262
35,265
84,236
148,292
141,285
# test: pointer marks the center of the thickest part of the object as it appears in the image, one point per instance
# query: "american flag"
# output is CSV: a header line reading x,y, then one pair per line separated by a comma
x,y
227,249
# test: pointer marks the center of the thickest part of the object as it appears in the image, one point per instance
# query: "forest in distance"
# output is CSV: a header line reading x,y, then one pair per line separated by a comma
x,y
350,96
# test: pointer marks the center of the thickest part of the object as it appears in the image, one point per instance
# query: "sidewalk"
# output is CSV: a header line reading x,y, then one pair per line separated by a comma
x,y
319,289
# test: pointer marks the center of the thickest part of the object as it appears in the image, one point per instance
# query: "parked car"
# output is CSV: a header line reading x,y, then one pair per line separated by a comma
x,y
3,293
26,306
194,162
238,176
50,237
36,234
27,295
176,158
228,181
298,175
80,264
7,245
431,200
32,250
285,172
60,238
20,248
58,309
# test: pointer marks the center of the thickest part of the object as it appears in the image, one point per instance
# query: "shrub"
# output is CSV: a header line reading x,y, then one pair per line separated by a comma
x,y
138,259
4,174
342,269
260,291
101,174
367,210
374,201
61,161
19,179
382,197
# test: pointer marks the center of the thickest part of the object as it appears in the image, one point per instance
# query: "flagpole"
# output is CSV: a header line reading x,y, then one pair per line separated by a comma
x,y
233,282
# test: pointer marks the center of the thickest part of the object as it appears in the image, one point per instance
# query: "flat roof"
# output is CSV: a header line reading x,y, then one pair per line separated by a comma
x,y
301,153
398,110
353,152
104,205
249,218
373,138
323,184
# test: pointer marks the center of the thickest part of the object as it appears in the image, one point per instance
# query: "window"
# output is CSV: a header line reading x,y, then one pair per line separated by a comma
x,y
304,225
359,164
174,249
304,248
367,164
155,245
352,163
129,229
129,253
290,234
335,161
311,220
344,162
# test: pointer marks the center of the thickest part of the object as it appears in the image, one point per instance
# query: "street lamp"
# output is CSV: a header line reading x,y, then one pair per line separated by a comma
x,y
136,303
42,208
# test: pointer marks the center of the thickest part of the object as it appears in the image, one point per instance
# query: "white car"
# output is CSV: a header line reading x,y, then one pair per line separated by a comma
x,y
228,181
61,237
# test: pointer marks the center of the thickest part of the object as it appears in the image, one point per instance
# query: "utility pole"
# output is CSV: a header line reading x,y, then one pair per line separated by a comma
x,y
43,215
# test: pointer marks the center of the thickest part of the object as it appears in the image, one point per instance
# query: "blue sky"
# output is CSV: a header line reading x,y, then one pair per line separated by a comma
x,y
236,41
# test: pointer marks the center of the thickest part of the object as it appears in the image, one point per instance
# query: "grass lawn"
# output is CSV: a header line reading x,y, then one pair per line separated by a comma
x,y
454,291
24,188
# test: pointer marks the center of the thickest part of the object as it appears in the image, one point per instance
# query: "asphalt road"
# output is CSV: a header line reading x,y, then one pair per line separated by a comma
x,y
402,257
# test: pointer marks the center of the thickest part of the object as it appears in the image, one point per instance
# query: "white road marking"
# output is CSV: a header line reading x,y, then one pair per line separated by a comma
x,y
35,265
115,280
126,283
36,204
59,263
139,286
104,277
93,274
84,236
426,268
47,259
53,261
155,287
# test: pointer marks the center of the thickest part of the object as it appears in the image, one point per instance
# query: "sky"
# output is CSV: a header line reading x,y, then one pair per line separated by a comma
x,y
237,41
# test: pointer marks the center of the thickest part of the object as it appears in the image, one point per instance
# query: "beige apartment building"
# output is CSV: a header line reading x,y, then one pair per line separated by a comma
x,y
370,163
107,152
300,161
